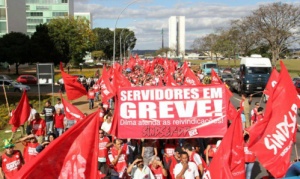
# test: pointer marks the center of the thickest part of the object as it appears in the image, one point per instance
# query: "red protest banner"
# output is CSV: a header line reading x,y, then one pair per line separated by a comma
x,y
172,112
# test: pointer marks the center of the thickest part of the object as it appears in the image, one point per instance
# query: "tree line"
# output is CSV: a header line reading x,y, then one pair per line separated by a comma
x,y
268,30
65,39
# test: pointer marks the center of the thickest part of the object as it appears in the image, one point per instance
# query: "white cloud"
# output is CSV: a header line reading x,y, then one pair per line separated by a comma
x,y
201,18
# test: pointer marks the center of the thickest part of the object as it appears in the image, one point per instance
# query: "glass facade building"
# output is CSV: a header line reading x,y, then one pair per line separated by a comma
x,y
42,11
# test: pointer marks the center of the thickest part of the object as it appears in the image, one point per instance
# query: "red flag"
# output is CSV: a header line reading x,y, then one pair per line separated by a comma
x,y
215,78
21,113
271,82
170,80
190,78
74,89
120,80
107,91
229,160
72,155
231,111
71,112
160,83
273,149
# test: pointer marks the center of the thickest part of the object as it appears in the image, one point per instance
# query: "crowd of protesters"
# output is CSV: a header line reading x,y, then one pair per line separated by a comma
x,y
131,158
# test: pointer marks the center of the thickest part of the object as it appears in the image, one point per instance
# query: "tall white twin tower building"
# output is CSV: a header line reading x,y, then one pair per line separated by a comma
x,y
177,36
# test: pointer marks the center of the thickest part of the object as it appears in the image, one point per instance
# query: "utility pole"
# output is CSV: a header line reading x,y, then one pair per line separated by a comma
x,y
162,38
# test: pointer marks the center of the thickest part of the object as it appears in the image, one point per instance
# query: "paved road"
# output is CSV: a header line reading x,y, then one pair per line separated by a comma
x,y
258,170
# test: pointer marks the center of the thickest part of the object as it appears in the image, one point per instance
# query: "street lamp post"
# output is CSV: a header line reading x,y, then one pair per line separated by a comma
x,y
114,50
125,42
121,45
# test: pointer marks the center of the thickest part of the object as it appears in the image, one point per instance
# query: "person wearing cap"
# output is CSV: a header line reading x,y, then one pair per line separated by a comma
x,y
11,160
186,169
59,105
30,143
171,161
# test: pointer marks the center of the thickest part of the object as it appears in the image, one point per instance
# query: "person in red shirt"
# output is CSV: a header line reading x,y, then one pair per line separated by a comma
x,y
30,144
11,160
38,127
118,159
91,96
104,144
59,122
249,157
254,113
158,169
171,161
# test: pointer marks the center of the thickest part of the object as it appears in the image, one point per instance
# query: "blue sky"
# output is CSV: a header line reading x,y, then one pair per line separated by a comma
x,y
147,17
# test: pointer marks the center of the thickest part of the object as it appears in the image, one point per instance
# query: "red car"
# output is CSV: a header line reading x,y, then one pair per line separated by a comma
x,y
27,79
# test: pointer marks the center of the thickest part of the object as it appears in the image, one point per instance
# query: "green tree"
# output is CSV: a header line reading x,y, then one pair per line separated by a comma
x,y
72,37
105,40
98,54
15,49
163,51
43,48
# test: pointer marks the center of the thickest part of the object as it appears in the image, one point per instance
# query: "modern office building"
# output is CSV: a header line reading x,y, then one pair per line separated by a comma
x,y
86,15
42,11
177,35
12,16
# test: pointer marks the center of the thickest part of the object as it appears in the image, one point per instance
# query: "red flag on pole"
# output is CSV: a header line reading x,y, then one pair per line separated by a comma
x,y
71,112
72,155
21,113
215,78
107,91
74,89
229,160
273,149
271,82
190,78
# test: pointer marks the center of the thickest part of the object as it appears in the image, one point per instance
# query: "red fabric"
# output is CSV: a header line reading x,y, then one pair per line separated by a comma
x,y
231,112
30,151
169,149
107,91
71,112
91,94
249,155
121,165
202,161
190,78
229,161
72,155
254,115
215,78
274,147
271,82
11,165
157,172
74,89
96,87
38,127
103,151
21,113
59,120
172,166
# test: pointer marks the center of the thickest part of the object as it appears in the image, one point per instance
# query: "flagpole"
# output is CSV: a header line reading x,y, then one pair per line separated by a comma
x,y
296,151
6,98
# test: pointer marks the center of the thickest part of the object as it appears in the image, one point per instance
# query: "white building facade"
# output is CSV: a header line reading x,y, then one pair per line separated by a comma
x,y
177,36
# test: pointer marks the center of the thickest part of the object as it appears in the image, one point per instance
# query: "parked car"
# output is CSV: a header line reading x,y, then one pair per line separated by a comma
x,y
226,77
5,77
227,70
27,79
13,86
80,78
